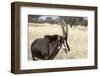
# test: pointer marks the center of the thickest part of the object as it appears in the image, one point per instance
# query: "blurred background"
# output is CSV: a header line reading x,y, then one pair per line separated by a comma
x,y
72,21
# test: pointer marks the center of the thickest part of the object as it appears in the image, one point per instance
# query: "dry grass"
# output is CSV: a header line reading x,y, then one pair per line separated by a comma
x,y
77,39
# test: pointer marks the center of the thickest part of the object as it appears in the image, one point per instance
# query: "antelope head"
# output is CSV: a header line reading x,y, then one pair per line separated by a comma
x,y
65,33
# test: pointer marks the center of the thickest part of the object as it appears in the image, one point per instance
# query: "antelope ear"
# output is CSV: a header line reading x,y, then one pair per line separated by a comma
x,y
58,37
47,36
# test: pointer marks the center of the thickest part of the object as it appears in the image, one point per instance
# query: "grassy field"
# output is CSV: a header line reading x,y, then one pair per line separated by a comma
x,y
77,39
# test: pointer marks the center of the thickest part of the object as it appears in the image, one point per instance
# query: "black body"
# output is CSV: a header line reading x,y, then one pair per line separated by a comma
x,y
46,48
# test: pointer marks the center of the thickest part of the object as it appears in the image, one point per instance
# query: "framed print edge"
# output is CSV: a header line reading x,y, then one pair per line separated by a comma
x,y
96,38
15,37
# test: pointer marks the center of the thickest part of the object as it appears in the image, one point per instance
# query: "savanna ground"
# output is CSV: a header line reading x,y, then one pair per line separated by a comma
x,y
77,39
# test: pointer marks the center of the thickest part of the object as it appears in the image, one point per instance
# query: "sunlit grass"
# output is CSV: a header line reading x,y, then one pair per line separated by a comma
x,y
77,39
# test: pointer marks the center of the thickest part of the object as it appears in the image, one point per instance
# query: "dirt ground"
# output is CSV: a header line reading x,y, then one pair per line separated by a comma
x,y
77,39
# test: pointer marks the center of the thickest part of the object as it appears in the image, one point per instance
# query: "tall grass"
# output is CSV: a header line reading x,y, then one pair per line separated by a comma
x,y
77,39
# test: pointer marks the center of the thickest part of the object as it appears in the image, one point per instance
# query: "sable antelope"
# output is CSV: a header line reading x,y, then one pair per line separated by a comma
x,y
44,48
47,48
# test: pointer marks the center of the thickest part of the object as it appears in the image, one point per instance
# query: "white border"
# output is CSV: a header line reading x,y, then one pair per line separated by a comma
x,y
25,64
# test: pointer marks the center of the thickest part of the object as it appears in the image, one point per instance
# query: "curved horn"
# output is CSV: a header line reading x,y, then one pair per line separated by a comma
x,y
65,29
63,25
